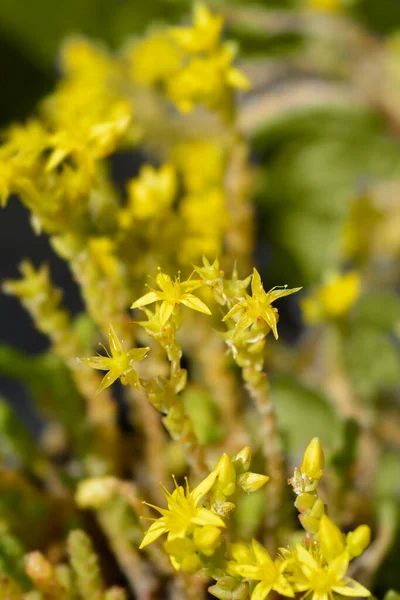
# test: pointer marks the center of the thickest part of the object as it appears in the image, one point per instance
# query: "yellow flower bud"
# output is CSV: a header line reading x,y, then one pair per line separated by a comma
x,y
305,502
226,475
358,540
310,524
191,563
207,539
243,458
330,538
95,492
313,460
251,482
318,509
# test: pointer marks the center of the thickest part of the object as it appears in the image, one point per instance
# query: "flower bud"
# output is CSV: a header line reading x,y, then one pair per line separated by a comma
x,y
310,524
330,539
313,460
95,492
251,482
243,459
226,475
191,563
305,502
358,540
207,539
318,509
229,588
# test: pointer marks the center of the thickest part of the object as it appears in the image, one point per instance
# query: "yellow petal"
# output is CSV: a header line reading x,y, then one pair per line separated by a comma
x,y
196,304
352,589
263,558
113,342
204,487
166,311
146,299
108,380
96,362
154,532
261,591
206,517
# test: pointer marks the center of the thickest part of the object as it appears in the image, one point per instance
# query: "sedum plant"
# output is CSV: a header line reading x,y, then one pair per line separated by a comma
x,y
186,394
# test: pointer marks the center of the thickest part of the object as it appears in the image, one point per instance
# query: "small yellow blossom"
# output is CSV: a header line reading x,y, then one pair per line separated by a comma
x,y
171,295
153,191
321,580
154,59
204,35
258,306
255,563
210,154
207,80
120,364
333,299
184,512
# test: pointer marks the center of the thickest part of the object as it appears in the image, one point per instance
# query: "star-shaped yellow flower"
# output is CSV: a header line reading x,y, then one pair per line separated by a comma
x,y
120,363
322,580
255,563
258,306
184,512
204,35
171,294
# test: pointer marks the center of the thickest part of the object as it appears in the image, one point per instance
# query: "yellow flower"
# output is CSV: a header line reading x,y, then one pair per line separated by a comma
x,y
153,191
258,306
255,563
204,35
154,59
321,580
212,158
332,299
171,295
207,80
184,512
120,364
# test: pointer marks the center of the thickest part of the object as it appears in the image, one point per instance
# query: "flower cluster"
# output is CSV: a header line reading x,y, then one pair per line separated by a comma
x,y
317,566
191,64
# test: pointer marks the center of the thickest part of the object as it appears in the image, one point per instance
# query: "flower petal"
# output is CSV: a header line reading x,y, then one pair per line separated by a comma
x,y
96,362
248,571
146,299
352,589
261,591
108,379
280,292
256,284
204,516
113,342
195,304
154,532
166,311
262,557
307,562
138,354
205,486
